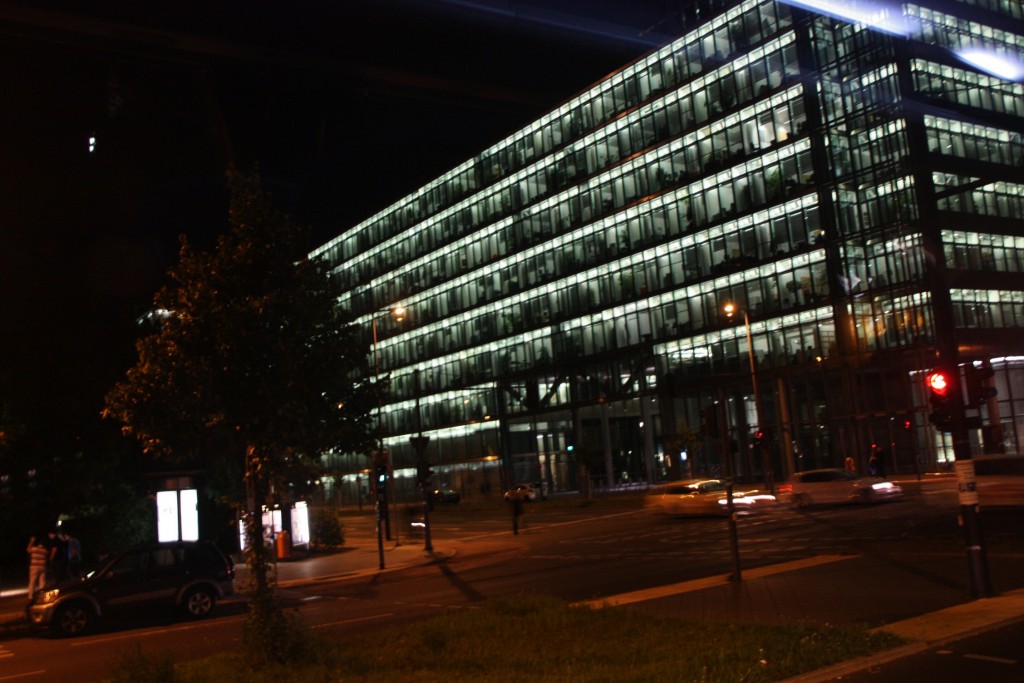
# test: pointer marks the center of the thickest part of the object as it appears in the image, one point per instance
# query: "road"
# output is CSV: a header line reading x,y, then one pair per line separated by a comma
x,y
580,554
993,657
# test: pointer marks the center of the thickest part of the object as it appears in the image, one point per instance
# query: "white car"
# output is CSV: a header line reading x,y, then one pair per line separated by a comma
x,y
814,487
703,497
523,492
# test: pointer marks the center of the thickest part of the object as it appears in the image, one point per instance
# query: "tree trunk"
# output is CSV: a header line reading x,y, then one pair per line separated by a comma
x,y
256,556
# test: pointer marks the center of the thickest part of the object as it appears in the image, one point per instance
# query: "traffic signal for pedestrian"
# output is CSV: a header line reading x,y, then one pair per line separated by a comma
x,y
941,389
382,474
570,442
979,388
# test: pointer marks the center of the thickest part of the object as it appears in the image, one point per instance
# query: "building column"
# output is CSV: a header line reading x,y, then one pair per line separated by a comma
x,y
647,433
606,440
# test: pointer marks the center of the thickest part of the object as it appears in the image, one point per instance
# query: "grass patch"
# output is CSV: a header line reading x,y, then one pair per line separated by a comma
x,y
540,639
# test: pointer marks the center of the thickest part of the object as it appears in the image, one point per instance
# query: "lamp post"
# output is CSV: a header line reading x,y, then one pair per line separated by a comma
x,y
730,310
423,471
398,313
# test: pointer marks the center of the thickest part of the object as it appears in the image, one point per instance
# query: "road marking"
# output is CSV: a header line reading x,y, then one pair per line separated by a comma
x,y
710,582
40,672
5,653
538,526
352,621
153,632
997,660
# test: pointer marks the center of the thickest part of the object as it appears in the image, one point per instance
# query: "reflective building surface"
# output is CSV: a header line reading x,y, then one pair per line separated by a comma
x,y
855,193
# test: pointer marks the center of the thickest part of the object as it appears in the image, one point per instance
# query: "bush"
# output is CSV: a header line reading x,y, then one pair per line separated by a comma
x,y
135,665
325,529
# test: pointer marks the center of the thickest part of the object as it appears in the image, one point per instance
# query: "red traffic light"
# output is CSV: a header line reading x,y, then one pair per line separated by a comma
x,y
938,383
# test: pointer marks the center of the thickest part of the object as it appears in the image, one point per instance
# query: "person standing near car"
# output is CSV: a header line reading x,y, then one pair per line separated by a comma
x,y
74,555
38,558
517,512
58,564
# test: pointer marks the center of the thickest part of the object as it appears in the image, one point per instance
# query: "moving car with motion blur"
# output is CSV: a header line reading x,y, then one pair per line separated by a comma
x,y
704,497
445,496
185,576
523,492
825,486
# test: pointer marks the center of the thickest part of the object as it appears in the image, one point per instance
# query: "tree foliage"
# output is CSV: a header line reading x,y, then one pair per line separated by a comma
x,y
252,365
251,351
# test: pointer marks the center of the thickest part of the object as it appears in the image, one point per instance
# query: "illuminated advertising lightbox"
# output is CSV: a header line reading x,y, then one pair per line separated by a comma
x,y
177,515
273,524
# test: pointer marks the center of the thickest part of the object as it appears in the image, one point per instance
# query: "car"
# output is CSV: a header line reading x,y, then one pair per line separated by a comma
x,y
187,576
523,492
450,496
704,497
834,485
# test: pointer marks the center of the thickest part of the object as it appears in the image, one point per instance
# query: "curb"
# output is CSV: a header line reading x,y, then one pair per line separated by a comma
x,y
996,607
850,666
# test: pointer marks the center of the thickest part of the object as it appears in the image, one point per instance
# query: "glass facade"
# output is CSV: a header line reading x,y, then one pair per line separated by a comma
x,y
856,195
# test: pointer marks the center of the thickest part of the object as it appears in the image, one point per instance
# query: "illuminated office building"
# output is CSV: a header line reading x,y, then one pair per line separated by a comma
x,y
857,194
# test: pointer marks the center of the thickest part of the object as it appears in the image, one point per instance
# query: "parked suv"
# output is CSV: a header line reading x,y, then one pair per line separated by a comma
x,y
185,575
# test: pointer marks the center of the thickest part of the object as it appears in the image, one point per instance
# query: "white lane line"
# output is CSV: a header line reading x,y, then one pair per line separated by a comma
x,y
537,526
997,660
353,621
154,632
40,672
710,582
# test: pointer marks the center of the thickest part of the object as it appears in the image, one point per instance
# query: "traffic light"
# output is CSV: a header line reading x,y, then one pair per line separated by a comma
x,y
979,389
570,442
382,474
941,389
758,438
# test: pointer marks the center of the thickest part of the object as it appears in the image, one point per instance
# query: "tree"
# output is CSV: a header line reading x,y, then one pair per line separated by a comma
x,y
252,365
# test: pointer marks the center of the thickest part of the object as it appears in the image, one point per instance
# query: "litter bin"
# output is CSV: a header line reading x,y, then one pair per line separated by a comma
x,y
283,543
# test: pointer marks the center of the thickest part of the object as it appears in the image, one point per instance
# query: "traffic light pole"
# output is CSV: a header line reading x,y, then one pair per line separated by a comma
x,y
380,536
380,477
423,471
948,416
977,559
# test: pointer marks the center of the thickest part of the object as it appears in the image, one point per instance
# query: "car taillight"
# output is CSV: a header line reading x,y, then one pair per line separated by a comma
x,y
785,489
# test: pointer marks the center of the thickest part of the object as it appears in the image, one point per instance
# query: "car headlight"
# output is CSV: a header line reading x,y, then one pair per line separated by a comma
x,y
47,596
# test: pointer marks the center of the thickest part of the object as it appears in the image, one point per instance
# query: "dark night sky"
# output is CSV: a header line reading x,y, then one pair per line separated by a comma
x,y
346,106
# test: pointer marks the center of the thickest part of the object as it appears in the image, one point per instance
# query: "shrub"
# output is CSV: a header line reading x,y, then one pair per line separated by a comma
x,y
325,529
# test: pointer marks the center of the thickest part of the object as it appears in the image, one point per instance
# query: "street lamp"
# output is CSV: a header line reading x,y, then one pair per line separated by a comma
x,y
398,313
730,310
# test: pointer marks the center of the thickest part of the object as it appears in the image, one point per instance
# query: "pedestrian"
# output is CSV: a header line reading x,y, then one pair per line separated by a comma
x,y
38,556
850,465
879,457
58,565
517,513
74,554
